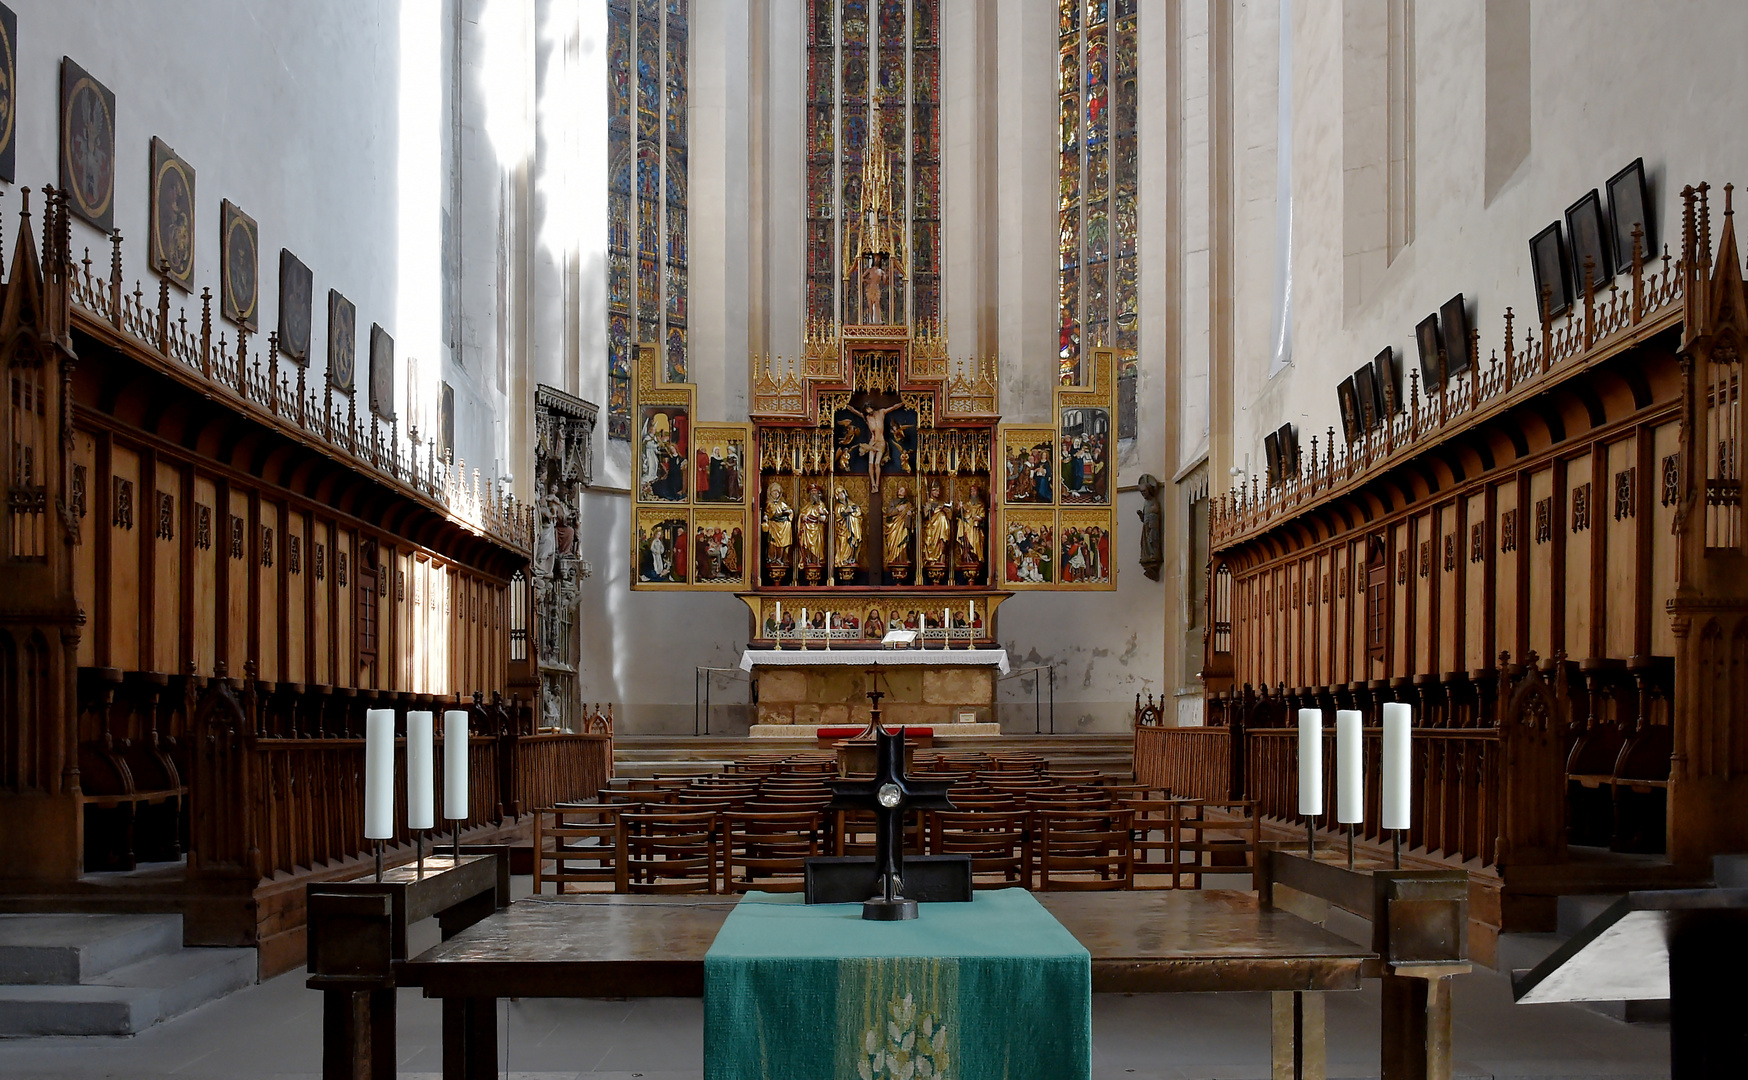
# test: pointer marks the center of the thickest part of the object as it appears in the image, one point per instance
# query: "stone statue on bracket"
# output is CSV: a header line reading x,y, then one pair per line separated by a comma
x,y
1152,537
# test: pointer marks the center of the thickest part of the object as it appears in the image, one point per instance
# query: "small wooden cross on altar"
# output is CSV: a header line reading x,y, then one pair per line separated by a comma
x,y
891,795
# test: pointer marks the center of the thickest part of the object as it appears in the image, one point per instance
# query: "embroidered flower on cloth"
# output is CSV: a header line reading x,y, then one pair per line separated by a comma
x,y
913,1048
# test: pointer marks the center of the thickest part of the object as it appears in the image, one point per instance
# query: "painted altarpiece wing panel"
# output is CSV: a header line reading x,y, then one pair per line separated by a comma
x,y
1029,549
1029,464
1086,548
720,463
660,547
720,550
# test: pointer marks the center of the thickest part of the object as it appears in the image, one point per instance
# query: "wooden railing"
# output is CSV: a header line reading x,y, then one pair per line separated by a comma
x,y
1454,811
1194,762
269,806
197,349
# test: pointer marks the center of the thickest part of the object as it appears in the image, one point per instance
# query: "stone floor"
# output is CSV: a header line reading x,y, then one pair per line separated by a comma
x,y
273,1030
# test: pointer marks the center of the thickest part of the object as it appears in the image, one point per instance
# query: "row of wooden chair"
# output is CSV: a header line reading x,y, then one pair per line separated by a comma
x,y
705,847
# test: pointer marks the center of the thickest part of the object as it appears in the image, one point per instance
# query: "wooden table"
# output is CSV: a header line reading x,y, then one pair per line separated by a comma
x,y
653,946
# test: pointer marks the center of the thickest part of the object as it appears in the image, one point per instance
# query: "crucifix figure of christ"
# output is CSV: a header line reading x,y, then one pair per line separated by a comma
x,y
891,795
883,442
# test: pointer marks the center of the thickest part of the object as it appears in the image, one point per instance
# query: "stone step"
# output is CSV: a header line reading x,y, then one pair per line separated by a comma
x,y
128,999
69,949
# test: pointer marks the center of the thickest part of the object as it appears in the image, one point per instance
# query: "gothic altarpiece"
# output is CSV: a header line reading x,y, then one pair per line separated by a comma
x,y
564,428
875,487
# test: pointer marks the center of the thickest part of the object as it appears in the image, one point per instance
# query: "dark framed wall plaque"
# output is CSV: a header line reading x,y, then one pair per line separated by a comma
x,y
171,246
1553,278
1426,341
1349,400
239,266
8,93
296,293
446,422
1271,450
88,145
1588,239
342,341
1389,386
1365,387
382,373
1453,321
1289,443
1629,204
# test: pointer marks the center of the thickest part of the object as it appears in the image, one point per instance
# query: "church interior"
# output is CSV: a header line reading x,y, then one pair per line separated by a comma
x,y
512,360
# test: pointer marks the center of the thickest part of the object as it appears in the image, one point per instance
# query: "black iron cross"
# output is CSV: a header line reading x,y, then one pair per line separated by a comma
x,y
890,795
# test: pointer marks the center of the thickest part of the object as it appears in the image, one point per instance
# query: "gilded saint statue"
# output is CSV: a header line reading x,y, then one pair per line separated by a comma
x,y
898,516
779,529
810,534
973,526
937,526
847,546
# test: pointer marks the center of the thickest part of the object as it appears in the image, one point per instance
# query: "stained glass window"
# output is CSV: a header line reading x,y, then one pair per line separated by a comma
x,y
1096,181
873,65
647,98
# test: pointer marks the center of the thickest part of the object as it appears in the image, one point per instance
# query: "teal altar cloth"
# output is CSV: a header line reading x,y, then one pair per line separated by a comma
x,y
991,989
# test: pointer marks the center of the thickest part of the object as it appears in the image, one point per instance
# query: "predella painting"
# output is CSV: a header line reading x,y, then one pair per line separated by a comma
x,y
88,145
172,216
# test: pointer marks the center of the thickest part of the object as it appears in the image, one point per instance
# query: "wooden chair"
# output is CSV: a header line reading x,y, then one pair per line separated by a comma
x,y
1155,843
667,852
1215,837
999,843
584,843
1081,850
853,832
769,850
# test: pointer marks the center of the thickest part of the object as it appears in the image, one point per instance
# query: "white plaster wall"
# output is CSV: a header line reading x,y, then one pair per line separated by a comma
x,y
299,114
1610,81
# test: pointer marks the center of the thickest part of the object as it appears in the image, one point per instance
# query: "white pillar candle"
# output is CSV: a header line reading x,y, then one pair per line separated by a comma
x,y
455,764
1350,776
1310,762
1397,784
379,774
779,619
421,773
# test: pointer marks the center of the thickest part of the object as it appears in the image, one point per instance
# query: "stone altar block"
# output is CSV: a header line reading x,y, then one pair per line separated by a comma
x,y
799,691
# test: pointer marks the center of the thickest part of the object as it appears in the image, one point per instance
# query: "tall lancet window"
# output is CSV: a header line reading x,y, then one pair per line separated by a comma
x,y
646,199
873,160
1096,174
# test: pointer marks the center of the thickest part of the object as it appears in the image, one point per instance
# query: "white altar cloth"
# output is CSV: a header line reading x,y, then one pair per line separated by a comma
x,y
996,658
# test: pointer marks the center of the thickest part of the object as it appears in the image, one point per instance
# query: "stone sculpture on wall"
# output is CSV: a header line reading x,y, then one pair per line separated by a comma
x,y
564,428
1152,539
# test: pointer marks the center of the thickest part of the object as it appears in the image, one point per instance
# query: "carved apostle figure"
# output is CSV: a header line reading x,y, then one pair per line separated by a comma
x,y
898,516
1152,539
873,282
848,541
937,526
779,529
811,528
973,523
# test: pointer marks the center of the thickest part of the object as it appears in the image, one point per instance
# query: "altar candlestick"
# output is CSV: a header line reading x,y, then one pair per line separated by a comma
x,y
1350,787
804,627
379,779
421,781
455,771
1310,773
1396,782
778,632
